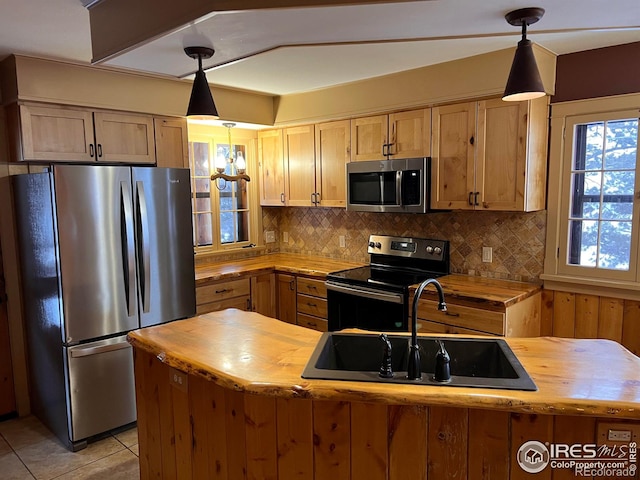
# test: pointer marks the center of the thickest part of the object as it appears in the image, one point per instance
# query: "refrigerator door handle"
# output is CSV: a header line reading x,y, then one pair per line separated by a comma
x,y
143,239
85,352
128,247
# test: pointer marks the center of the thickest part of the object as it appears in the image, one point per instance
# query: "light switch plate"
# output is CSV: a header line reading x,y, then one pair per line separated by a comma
x,y
343,241
269,236
487,254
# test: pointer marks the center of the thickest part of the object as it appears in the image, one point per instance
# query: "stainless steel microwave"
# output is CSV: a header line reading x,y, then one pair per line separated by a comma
x,y
400,186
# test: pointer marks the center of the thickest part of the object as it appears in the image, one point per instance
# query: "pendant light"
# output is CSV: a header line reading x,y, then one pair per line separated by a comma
x,y
524,81
221,164
201,102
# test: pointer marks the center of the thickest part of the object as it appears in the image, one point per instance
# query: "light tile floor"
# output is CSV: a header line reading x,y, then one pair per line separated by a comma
x,y
29,451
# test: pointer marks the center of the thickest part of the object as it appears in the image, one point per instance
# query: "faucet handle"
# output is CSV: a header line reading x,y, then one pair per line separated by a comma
x,y
386,370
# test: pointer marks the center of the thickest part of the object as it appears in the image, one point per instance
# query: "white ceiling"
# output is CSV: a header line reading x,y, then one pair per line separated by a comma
x,y
300,49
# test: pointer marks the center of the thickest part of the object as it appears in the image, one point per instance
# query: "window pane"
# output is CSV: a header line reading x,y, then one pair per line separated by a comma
x,y
227,228
583,243
201,159
242,219
203,229
589,144
202,185
615,245
203,204
621,144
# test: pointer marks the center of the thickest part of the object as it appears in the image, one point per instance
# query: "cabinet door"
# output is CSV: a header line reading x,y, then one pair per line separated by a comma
x,y
263,294
271,168
369,138
410,134
333,148
56,134
286,285
124,138
501,155
299,155
172,142
452,165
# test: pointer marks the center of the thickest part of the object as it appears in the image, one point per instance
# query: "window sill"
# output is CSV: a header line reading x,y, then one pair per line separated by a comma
x,y
592,286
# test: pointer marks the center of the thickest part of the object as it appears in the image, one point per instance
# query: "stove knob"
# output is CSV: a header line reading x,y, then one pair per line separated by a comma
x,y
371,244
429,249
378,245
437,250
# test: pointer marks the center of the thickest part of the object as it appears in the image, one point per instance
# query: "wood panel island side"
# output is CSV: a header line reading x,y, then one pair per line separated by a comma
x,y
220,396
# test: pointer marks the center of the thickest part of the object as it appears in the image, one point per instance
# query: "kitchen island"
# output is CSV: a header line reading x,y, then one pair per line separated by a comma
x,y
220,396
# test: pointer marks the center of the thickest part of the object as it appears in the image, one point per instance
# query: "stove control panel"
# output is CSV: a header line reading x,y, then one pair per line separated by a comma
x,y
423,248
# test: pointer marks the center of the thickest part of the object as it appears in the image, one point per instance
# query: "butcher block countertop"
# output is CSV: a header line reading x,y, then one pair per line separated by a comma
x,y
289,263
248,352
484,292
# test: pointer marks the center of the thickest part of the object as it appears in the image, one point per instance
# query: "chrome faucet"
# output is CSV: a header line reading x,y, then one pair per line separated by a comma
x,y
413,369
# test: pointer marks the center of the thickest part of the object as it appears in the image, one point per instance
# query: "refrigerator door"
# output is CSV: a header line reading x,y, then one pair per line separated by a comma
x,y
97,250
164,244
101,387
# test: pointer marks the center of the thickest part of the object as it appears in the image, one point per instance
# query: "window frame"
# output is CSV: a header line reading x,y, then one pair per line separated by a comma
x,y
214,136
558,273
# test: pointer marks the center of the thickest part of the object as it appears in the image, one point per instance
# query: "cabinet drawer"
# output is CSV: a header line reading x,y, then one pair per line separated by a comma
x,y
313,287
426,326
486,321
312,305
314,323
241,303
216,292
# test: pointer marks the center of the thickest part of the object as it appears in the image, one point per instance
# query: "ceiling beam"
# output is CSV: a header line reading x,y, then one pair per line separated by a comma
x,y
118,26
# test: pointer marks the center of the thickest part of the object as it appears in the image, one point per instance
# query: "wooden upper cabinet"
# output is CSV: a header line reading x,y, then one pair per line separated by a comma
x,y
299,156
333,150
410,134
55,134
124,138
398,135
68,134
172,142
453,161
490,155
511,165
272,170
369,138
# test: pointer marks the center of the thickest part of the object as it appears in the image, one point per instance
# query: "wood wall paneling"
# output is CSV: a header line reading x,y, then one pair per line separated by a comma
x,y
295,438
575,315
331,439
488,444
525,428
369,441
447,443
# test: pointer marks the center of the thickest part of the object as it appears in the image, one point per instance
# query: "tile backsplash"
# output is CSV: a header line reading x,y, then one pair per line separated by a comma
x,y
517,239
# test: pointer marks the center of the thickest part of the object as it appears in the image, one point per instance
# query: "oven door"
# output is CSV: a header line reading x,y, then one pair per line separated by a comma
x,y
351,306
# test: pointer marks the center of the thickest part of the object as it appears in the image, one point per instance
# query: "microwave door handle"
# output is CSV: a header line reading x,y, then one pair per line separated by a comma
x,y
399,187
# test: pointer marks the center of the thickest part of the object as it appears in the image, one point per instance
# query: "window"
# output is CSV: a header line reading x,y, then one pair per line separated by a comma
x,y
603,175
594,213
225,213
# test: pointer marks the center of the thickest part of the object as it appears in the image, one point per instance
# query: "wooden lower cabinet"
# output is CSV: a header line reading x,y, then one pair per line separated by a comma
x,y
521,319
221,295
192,428
312,304
286,297
263,294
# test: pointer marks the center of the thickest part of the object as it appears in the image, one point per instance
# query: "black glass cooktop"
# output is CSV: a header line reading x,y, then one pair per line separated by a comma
x,y
388,279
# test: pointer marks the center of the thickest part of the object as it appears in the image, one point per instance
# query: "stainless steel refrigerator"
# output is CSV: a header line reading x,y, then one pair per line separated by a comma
x,y
103,250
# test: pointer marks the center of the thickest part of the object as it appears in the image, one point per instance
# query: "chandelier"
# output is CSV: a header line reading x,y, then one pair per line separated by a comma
x,y
221,163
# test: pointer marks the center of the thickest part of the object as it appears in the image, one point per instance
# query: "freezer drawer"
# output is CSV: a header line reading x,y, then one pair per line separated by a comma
x,y
101,387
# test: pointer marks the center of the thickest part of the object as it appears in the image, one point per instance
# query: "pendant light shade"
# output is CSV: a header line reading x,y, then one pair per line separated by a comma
x,y
524,81
201,102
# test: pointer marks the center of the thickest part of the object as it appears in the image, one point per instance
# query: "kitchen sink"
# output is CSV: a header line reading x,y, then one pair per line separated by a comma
x,y
475,362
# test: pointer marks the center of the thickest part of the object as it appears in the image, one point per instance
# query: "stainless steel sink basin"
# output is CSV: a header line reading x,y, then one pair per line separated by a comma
x,y
475,362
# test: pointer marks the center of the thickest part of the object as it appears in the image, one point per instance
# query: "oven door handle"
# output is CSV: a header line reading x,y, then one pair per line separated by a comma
x,y
366,292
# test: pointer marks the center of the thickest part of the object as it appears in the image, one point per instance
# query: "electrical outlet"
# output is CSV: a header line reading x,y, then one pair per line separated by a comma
x,y
270,236
285,237
487,254
343,241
